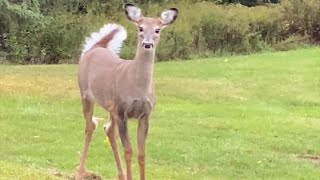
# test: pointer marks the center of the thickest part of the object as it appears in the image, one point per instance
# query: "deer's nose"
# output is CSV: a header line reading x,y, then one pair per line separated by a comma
x,y
147,45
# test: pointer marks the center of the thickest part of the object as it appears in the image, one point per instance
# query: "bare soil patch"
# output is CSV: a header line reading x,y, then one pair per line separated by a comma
x,y
313,158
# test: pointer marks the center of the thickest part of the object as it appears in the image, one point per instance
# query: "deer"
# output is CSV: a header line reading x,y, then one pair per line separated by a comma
x,y
124,88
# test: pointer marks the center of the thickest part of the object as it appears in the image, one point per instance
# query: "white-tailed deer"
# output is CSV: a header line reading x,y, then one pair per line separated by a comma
x,y
124,88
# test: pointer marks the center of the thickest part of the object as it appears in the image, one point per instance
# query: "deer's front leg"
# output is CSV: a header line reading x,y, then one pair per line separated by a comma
x,y
123,132
142,135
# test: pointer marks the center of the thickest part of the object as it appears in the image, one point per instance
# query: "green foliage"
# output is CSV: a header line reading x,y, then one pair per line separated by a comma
x,y
292,42
61,38
30,37
302,17
216,30
47,31
19,24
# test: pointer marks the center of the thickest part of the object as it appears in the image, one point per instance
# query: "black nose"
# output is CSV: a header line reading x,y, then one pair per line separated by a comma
x,y
148,45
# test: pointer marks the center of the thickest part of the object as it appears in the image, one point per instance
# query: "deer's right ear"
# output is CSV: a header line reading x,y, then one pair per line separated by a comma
x,y
133,13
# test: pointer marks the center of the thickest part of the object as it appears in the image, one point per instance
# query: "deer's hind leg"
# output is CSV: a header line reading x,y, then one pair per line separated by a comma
x,y
110,129
90,126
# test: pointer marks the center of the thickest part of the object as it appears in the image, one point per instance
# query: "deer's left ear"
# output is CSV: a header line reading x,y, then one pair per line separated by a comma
x,y
169,16
133,13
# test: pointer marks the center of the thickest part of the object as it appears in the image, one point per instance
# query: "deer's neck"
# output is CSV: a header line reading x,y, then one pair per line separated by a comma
x,y
143,66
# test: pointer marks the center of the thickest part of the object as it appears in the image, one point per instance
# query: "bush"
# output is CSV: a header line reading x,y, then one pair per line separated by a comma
x,y
225,30
292,42
32,32
302,17
61,38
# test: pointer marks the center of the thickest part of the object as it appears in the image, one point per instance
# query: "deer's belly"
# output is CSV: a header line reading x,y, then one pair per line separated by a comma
x,y
139,108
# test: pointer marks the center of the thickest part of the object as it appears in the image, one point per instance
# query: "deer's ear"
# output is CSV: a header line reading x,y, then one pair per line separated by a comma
x,y
133,13
169,16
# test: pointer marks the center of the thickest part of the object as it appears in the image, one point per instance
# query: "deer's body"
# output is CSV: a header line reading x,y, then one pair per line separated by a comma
x,y
115,84
124,88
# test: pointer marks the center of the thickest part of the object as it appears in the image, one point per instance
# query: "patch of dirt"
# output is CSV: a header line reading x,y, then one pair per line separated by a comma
x,y
310,157
313,158
91,175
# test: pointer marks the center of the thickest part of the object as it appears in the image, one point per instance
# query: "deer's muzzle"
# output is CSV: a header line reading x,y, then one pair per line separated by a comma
x,y
147,45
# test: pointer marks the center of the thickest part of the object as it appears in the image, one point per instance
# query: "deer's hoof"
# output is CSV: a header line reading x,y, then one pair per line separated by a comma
x,y
84,175
121,177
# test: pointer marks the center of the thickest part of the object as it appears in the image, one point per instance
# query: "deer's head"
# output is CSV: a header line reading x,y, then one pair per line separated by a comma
x,y
149,29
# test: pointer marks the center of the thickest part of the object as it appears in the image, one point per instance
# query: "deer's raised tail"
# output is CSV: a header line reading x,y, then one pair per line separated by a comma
x,y
110,36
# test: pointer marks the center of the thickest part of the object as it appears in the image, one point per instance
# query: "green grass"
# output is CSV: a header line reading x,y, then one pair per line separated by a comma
x,y
241,117
10,171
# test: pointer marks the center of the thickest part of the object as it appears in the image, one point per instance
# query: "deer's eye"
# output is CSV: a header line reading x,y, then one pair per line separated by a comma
x,y
141,29
157,31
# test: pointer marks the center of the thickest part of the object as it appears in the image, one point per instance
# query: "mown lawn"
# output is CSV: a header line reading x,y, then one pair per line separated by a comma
x,y
241,117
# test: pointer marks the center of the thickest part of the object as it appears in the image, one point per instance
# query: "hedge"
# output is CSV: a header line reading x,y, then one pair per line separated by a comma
x,y
31,34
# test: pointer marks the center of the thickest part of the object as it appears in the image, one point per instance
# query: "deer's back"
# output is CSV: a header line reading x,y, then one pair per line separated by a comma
x,y
97,71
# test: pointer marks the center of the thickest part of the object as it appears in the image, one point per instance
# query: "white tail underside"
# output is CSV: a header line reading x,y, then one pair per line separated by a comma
x,y
113,45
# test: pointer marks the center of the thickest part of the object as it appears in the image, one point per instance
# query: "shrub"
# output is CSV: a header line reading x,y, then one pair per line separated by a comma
x,y
32,32
302,17
292,42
